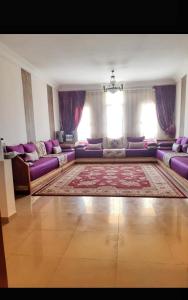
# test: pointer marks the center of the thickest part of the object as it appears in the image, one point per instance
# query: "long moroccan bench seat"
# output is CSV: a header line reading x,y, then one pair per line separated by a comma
x,y
178,164
84,153
140,152
43,166
27,176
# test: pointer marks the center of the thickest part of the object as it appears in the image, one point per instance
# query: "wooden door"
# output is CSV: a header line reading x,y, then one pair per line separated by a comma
x,y
3,271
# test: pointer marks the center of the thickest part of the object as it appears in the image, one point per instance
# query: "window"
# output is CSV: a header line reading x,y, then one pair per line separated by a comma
x,y
148,124
84,127
114,114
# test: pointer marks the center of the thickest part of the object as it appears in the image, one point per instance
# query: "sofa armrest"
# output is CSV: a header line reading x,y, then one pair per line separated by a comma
x,y
21,174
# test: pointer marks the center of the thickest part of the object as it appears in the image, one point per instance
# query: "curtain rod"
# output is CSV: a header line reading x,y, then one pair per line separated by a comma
x,y
125,89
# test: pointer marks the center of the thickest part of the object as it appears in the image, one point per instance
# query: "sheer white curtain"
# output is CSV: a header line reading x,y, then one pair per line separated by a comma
x,y
140,113
114,118
128,113
92,120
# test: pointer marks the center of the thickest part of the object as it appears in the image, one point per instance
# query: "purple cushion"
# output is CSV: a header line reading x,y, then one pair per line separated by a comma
x,y
70,156
166,144
67,149
140,152
180,165
43,166
55,143
49,147
184,148
184,141
160,153
83,153
165,147
178,141
95,141
135,139
17,148
29,147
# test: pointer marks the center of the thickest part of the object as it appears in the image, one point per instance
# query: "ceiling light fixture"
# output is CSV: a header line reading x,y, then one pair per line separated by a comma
x,y
113,86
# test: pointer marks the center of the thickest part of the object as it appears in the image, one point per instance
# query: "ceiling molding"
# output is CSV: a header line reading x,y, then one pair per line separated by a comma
x,y
89,87
12,56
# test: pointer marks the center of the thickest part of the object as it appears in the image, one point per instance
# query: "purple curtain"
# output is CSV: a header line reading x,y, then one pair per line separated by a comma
x,y
70,107
165,105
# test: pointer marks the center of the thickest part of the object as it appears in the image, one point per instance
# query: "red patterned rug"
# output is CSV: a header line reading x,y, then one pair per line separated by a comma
x,y
125,179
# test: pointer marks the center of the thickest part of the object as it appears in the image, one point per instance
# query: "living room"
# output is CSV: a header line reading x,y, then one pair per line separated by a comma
x,y
94,159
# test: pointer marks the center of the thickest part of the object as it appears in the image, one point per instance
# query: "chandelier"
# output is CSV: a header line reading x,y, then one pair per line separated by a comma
x,y
113,86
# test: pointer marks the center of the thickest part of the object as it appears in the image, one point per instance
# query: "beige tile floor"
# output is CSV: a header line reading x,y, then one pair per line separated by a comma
x,y
97,242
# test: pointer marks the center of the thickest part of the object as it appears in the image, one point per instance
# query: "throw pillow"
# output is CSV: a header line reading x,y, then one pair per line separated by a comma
x,y
41,149
17,148
32,156
166,144
184,141
152,146
136,145
94,146
176,147
135,139
95,140
184,148
57,150
49,146
164,148
110,143
55,143
29,147
178,141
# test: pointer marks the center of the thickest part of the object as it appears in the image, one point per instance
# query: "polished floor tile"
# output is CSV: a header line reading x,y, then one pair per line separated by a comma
x,y
97,242
98,222
84,273
90,244
139,225
144,248
30,271
45,243
13,239
130,274
58,221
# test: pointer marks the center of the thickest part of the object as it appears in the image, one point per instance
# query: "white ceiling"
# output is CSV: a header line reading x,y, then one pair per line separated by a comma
x,y
88,58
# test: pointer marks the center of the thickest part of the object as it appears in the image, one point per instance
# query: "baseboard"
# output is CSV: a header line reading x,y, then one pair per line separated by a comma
x,y
115,160
5,220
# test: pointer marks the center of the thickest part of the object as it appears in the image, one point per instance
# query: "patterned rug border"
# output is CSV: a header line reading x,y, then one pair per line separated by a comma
x,y
168,177
179,186
172,181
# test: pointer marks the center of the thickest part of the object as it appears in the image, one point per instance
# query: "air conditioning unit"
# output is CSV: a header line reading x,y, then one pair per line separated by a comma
x,y
60,136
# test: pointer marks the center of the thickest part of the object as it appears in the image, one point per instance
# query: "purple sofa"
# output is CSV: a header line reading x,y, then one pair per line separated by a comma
x,y
178,164
81,151
23,174
84,153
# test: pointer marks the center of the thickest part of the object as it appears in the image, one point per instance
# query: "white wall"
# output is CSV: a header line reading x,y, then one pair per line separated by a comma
x,y
178,106
40,107
56,109
186,110
12,113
